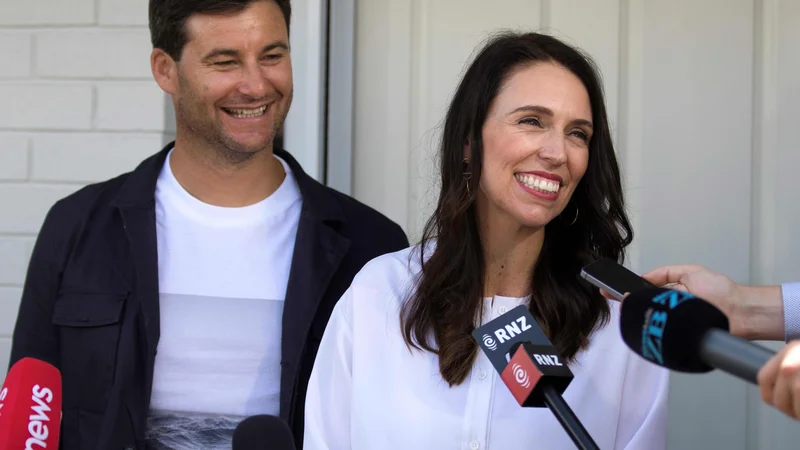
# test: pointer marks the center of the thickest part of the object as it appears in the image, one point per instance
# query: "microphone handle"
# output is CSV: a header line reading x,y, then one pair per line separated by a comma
x,y
568,420
734,355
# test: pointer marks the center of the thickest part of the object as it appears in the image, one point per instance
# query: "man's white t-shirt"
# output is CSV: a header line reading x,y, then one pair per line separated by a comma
x,y
223,274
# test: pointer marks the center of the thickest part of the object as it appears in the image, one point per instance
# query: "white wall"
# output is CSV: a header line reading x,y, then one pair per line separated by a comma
x,y
703,97
79,105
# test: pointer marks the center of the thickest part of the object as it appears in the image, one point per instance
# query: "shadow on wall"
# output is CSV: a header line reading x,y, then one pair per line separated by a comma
x,y
169,121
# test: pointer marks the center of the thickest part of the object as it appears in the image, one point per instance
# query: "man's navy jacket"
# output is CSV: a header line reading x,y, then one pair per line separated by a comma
x,y
90,305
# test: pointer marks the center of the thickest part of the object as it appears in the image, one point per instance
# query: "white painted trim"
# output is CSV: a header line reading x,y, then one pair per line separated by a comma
x,y
765,142
420,167
766,428
304,130
630,113
341,68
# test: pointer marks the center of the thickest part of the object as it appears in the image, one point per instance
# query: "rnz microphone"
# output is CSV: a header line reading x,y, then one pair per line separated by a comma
x,y
681,332
30,406
262,431
531,368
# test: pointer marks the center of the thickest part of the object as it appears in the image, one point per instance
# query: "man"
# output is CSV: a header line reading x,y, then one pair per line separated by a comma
x,y
755,313
192,292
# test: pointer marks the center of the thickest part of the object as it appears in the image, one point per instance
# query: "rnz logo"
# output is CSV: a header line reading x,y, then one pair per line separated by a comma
x,y
521,376
515,328
547,360
489,342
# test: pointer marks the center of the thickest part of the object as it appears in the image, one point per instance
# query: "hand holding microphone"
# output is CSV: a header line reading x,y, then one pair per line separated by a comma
x,y
30,406
779,381
754,312
531,368
675,329
681,332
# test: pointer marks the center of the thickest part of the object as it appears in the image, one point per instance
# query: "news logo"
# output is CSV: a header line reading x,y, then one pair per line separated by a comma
x,y
497,337
532,365
521,376
655,322
489,342
37,427
3,395
547,360
512,329
675,298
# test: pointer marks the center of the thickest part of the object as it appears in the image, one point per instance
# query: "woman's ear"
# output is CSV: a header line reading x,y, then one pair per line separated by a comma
x,y
467,151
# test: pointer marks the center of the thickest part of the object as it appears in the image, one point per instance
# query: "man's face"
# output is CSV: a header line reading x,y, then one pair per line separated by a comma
x,y
235,79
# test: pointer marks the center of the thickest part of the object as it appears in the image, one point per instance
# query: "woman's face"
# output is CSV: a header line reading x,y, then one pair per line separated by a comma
x,y
536,144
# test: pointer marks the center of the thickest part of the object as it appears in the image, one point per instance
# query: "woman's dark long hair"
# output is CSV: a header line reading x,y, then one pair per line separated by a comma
x,y
449,292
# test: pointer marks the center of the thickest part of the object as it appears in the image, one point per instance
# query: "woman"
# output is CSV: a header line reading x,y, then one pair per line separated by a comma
x,y
530,193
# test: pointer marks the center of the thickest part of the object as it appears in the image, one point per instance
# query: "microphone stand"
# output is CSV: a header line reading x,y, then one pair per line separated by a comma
x,y
567,418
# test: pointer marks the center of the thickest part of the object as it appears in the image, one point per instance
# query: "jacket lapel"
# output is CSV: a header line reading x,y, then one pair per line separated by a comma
x,y
318,252
140,228
136,204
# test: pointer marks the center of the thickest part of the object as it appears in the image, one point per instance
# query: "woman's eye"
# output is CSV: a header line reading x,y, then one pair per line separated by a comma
x,y
581,135
531,121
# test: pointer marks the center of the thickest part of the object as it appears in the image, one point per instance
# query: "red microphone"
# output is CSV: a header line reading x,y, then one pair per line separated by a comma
x,y
30,406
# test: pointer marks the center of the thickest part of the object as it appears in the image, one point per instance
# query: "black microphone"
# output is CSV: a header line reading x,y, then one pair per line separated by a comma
x,y
531,368
682,332
262,431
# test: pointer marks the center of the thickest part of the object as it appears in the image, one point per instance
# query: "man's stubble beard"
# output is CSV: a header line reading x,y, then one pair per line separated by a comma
x,y
211,132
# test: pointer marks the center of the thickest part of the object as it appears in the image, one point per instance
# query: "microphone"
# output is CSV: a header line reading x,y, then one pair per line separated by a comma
x,y
531,368
681,332
262,431
30,406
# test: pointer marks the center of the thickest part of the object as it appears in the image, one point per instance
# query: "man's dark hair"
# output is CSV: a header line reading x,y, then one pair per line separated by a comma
x,y
168,19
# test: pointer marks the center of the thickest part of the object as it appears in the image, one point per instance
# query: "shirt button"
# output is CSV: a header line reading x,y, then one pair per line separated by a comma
x,y
482,375
474,445
503,310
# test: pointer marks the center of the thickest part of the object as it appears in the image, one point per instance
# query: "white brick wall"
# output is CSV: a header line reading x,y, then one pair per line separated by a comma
x,y
47,13
15,47
94,53
80,106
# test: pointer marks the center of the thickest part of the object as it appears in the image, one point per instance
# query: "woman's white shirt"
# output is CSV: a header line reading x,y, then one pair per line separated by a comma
x,y
368,391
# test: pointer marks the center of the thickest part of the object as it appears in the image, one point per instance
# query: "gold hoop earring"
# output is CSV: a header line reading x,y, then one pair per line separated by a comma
x,y
467,175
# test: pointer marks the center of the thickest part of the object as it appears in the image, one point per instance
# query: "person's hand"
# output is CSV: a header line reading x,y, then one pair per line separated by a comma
x,y
697,280
700,281
605,294
753,312
711,286
779,380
